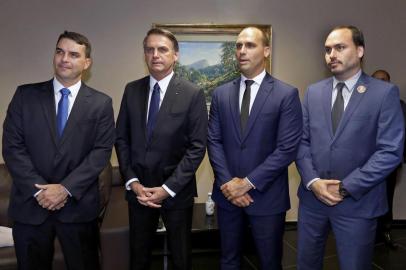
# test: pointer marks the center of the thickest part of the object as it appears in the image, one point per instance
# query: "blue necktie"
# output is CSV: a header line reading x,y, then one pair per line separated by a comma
x,y
153,110
63,107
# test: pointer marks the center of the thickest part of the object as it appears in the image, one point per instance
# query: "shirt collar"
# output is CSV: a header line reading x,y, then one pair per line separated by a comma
x,y
74,89
257,79
163,84
350,83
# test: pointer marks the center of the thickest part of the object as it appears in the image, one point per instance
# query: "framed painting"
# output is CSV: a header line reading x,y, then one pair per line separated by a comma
x,y
207,52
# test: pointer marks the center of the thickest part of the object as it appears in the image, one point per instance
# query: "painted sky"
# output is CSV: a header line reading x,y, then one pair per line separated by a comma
x,y
192,51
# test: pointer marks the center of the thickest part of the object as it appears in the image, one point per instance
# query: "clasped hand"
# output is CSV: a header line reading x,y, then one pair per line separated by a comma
x,y
52,196
236,190
327,191
151,197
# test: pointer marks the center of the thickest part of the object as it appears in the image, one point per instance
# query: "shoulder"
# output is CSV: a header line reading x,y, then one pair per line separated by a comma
x,y
137,84
225,88
185,85
280,86
35,87
97,95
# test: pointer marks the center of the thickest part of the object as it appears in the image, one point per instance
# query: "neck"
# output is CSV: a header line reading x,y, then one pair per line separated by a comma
x,y
67,83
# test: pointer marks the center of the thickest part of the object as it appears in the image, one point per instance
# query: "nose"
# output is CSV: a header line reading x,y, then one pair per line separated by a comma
x,y
65,57
155,54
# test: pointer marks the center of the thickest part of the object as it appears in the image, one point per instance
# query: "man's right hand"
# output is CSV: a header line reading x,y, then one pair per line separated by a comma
x,y
138,189
322,189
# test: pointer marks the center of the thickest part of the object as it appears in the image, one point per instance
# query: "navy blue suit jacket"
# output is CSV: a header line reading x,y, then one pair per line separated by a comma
x,y
266,148
34,153
366,147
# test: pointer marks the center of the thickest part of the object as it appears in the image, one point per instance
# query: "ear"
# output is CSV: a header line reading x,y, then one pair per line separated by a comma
x,y
360,51
88,63
267,51
176,55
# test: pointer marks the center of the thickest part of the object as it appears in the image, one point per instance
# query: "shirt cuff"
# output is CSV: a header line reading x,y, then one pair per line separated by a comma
x,y
37,193
128,183
311,182
70,194
173,194
249,182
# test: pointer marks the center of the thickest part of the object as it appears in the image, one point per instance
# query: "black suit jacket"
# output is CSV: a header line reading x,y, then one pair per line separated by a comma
x,y
34,153
178,141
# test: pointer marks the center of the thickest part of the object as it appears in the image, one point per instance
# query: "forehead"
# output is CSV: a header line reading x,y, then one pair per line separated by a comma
x,y
158,40
339,36
70,45
250,35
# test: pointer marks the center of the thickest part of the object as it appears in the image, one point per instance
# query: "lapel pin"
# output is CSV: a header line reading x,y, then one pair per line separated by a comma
x,y
361,89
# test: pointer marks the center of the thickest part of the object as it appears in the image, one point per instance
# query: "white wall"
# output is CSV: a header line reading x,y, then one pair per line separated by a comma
x,y
28,31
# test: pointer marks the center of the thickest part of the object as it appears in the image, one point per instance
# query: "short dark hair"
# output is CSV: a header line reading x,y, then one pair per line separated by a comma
x,y
165,33
265,37
357,35
79,39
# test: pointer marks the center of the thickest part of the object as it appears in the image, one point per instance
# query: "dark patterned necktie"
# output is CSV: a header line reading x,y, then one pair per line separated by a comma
x,y
63,108
338,107
245,105
153,110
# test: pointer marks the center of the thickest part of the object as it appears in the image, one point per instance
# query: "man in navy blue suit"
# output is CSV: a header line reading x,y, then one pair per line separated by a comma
x,y
255,126
352,139
57,138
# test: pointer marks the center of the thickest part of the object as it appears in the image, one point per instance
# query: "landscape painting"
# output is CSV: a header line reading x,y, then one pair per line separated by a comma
x,y
207,64
207,52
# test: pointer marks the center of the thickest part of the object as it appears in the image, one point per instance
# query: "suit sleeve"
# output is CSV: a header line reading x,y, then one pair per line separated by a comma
x,y
304,161
197,139
15,153
288,138
79,180
123,143
215,144
389,148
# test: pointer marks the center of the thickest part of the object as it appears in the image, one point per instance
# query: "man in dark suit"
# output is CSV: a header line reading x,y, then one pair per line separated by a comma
x,y
161,140
57,138
384,227
352,139
255,126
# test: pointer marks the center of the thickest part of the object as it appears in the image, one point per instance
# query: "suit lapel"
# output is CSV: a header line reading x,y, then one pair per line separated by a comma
x,y
235,106
326,101
48,105
263,93
79,108
353,103
142,101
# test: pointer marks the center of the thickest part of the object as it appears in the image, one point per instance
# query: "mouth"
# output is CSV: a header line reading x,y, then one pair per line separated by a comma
x,y
64,67
334,64
243,61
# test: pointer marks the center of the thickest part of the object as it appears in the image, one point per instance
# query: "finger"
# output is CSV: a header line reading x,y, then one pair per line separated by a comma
x,y
41,186
249,197
143,203
153,205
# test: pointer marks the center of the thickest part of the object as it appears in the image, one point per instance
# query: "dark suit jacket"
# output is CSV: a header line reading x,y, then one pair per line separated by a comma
x,y
178,141
366,147
34,154
265,150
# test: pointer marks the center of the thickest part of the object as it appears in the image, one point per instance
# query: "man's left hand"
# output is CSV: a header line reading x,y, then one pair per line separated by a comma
x,y
236,187
52,197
